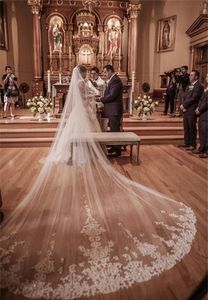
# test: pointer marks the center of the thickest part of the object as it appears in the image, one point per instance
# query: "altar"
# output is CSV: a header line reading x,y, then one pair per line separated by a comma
x,y
59,93
91,33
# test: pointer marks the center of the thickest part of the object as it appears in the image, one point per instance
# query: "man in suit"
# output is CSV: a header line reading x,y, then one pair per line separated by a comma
x,y
113,105
202,112
189,104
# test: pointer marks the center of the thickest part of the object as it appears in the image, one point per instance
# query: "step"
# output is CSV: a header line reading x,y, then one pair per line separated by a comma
x,y
27,132
28,124
146,131
136,122
50,132
46,142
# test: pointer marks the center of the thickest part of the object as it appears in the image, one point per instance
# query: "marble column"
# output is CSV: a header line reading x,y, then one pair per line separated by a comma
x,y
133,12
37,84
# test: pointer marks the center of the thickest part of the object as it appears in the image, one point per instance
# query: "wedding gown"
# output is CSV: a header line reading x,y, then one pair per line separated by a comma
x,y
85,229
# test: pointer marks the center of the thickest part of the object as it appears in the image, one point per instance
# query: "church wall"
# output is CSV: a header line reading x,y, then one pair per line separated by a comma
x,y
150,63
20,45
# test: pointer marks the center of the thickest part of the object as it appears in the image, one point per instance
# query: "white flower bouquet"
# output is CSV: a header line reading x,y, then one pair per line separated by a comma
x,y
39,104
145,105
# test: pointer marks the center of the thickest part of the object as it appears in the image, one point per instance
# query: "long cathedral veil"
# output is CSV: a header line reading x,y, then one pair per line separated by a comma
x,y
85,229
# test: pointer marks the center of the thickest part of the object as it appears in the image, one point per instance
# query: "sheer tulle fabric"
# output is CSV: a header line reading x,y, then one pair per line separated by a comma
x,y
85,229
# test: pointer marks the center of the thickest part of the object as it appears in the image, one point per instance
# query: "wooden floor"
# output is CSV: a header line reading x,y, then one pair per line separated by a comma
x,y
165,168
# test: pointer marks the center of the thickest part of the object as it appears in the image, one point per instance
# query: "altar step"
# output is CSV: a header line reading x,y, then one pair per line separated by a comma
x,y
47,141
127,122
50,132
136,122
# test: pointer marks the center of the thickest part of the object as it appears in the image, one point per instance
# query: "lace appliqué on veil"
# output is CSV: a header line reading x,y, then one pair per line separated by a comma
x,y
101,271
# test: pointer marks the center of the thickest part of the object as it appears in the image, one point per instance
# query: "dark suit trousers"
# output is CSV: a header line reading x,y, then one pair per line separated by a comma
x,y
115,125
169,101
203,135
190,131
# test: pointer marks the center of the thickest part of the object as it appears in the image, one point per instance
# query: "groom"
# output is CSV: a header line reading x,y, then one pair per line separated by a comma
x,y
113,106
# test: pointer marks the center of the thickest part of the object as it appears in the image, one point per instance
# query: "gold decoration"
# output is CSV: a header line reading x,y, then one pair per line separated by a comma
x,y
90,3
133,10
36,6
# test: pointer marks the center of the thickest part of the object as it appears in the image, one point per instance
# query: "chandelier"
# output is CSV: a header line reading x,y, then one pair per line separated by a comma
x,y
90,3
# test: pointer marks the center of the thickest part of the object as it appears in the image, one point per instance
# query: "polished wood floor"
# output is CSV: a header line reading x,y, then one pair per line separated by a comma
x,y
165,168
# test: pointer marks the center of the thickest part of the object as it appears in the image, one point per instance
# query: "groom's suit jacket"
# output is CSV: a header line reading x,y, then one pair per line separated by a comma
x,y
112,100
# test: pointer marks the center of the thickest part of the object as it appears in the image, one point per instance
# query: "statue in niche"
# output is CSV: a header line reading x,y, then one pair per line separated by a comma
x,y
57,37
114,29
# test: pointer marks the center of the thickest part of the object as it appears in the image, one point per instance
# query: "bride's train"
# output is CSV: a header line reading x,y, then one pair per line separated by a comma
x,y
85,229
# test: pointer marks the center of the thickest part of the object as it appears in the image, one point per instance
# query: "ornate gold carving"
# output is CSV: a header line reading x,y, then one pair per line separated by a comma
x,y
133,10
90,3
35,6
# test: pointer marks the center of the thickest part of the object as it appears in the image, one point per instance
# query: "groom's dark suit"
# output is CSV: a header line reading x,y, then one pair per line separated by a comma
x,y
112,100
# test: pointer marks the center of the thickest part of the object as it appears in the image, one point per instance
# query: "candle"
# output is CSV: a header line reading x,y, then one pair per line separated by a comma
x,y
119,59
133,81
60,78
49,82
60,61
50,58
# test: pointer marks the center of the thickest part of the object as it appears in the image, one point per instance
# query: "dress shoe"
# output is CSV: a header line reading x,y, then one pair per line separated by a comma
x,y
203,155
196,151
183,146
191,148
115,154
111,150
164,114
171,115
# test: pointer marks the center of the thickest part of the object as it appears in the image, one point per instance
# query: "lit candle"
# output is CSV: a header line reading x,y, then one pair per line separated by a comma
x,y
119,59
49,82
60,78
133,81
60,60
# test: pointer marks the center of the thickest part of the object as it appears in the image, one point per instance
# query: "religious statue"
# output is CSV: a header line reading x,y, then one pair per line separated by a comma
x,y
57,38
113,39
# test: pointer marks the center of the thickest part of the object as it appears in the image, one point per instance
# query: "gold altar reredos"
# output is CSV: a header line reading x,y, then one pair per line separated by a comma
x,y
88,32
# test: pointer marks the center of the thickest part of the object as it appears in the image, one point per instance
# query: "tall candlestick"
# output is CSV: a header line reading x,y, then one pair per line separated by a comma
x,y
60,78
102,55
133,81
60,60
49,82
119,59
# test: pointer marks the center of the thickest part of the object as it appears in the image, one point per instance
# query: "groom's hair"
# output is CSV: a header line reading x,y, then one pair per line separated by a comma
x,y
109,68
82,68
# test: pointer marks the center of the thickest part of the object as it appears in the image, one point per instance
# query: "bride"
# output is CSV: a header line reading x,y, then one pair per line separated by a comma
x,y
85,229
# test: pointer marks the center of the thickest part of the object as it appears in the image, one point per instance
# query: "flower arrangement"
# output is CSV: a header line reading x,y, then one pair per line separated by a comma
x,y
145,105
39,104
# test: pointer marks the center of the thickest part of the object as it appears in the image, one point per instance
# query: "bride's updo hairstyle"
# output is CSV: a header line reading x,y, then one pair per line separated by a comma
x,y
83,70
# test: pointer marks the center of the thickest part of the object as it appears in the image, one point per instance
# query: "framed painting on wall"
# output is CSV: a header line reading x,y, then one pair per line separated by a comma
x,y
166,34
3,27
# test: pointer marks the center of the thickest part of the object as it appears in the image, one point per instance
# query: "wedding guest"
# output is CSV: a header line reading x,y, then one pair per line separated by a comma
x,y
183,82
189,104
202,112
170,95
10,91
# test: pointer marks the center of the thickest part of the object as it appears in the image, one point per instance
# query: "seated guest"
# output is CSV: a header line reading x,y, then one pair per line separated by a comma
x,y
202,112
95,82
189,104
